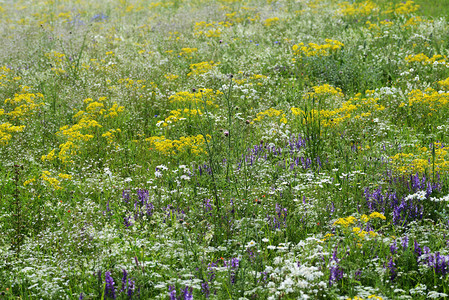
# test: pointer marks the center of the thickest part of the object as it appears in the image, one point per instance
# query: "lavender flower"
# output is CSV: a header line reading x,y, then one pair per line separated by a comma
x,y
336,273
130,288
393,248
126,195
126,221
417,249
109,289
124,283
205,289
172,291
392,267
187,293
404,242
233,266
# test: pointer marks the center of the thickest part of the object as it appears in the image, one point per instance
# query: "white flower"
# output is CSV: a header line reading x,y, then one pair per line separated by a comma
x,y
107,171
265,240
158,174
185,177
162,167
251,244
434,295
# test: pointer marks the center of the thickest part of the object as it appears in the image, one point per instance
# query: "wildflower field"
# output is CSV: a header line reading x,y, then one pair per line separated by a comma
x,y
254,149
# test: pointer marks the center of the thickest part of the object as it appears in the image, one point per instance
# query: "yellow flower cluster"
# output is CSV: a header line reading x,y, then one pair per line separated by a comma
x,y
270,113
82,131
444,83
65,176
362,233
186,144
313,49
271,21
325,90
170,76
346,221
357,231
114,110
50,156
202,67
4,70
55,57
6,76
244,14
429,99
372,26
203,96
364,218
365,8
110,135
425,60
133,84
363,106
422,161
413,21
187,52
5,132
74,132
23,104
210,29
328,118
256,77
55,183
403,8
178,115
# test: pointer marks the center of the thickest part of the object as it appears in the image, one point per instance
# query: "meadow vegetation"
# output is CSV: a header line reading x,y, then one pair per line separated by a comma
x,y
193,149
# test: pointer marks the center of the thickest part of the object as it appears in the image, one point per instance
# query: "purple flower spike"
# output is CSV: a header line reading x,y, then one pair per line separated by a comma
x,y
187,293
109,290
392,267
172,291
205,289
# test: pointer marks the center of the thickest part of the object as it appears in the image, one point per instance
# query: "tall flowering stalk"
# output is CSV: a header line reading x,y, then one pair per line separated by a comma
x,y
109,290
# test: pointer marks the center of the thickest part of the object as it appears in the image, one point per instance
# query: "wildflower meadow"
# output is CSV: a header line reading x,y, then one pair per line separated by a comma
x,y
224,149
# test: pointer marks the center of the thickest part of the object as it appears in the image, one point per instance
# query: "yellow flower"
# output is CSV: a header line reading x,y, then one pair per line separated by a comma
x,y
65,176
377,215
271,21
364,218
50,156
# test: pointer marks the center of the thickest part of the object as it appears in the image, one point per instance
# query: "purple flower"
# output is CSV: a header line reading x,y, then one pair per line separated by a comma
x,y
393,248
109,289
233,265
404,242
81,297
126,195
417,249
205,289
172,291
124,277
358,275
130,288
126,221
143,196
187,293
392,267
336,273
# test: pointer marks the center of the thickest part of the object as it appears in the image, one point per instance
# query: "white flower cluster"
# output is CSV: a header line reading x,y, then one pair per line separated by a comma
x,y
441,199
420,195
